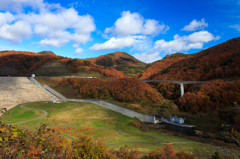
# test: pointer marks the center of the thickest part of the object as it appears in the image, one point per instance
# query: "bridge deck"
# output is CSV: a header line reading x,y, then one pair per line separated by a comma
x,y
172,81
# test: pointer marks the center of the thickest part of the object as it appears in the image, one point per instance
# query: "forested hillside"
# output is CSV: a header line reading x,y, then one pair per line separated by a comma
x,y
220,61
26,62
159,65
208,96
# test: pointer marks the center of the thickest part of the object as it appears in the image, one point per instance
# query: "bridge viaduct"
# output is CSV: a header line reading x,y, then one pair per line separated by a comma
x,y
179,82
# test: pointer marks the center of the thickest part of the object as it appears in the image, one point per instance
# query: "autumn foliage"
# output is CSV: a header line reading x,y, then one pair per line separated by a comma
x,y
121,89
26,62
157,66
116,58
47,143
168,152
220,61
208,96
139,124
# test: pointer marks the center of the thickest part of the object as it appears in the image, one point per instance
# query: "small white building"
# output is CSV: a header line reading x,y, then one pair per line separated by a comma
x,y
176,120
179,120
172,119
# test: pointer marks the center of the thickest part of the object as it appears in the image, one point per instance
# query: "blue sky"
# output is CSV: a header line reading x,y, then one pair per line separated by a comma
x,y
148,30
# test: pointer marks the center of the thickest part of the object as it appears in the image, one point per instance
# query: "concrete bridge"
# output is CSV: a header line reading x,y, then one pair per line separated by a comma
x,y
179,82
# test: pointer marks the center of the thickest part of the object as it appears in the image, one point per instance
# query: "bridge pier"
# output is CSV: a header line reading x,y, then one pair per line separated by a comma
x,y
181,89
180,82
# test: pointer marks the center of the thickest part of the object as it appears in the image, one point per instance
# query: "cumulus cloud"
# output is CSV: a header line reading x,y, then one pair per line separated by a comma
x,y
55,27
19,5
75,45
236,26
195,25
148,57
68,18
192,41
130,30
113,43
142,43
77,4
134,23
15,32
53,42
6,18
78,51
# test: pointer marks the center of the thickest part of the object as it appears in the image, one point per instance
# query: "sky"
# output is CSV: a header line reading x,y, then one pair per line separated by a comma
x,y
146,29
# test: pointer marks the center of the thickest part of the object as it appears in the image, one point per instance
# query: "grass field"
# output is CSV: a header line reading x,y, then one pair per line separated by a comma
x,y
69,117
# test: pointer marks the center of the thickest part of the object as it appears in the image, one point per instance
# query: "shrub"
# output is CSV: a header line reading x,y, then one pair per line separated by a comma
x,y
139,124
167,152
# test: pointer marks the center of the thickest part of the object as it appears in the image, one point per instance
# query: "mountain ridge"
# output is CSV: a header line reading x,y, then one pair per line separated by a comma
x,y
220,61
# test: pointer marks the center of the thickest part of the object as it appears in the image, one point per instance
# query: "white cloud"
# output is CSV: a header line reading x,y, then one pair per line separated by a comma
x,y
75,45
77,4
41,29
15,32
53,42
130,30
148,57
78,51
134,23
236,26
142,43
114,43
6,18
192,41
56,28
17,5
195,25
68,18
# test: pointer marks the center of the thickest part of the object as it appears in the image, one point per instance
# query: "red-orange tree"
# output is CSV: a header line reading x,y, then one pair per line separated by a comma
x,y
206,97
121,89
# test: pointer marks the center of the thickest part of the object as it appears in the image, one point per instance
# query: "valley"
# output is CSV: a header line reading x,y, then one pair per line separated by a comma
x,y
212,104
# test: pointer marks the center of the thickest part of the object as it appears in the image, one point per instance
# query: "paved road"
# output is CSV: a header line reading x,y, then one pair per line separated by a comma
x,y
172,81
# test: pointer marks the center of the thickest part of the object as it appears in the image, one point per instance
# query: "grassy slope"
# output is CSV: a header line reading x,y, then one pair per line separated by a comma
x,y
91,115
19,115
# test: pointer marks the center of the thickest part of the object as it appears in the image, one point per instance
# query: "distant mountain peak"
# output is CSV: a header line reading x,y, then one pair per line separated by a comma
x,y
46,53
117,58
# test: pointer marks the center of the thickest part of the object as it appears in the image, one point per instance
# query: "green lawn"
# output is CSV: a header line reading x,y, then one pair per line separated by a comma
x,y
76,115
18,114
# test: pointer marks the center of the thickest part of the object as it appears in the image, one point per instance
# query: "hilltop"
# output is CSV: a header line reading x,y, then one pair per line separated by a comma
x,y
117,58
121,61
46,53
157,66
